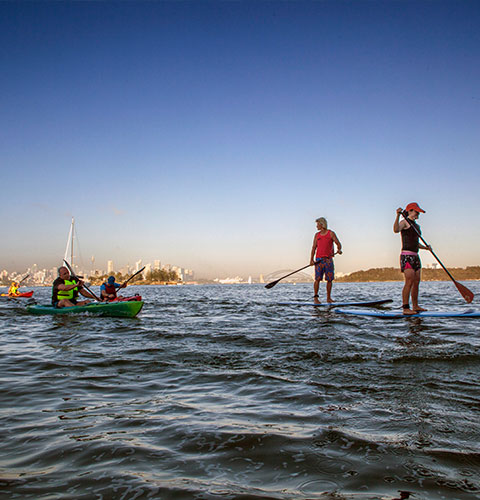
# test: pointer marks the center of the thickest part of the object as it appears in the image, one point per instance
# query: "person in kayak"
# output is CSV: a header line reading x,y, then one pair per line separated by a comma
x,y
65,290
410,263
13,290
108,290
322,257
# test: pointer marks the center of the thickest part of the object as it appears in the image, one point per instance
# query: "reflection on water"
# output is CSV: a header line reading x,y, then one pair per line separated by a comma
x,y
218,392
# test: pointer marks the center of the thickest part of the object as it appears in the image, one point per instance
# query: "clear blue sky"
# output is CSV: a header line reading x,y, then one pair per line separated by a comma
x,y
211,134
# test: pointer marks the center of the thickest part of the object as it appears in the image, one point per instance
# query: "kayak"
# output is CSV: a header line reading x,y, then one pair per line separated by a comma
x,y
122,309
371,303
21,294
468,313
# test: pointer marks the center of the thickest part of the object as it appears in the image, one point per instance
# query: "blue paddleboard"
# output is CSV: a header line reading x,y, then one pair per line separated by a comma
x,y
469,313
370,303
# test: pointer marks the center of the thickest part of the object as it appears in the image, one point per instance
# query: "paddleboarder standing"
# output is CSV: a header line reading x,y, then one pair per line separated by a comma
x,y
322,257
410,263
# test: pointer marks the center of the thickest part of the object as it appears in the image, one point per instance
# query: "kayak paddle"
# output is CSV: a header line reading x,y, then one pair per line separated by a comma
x,y
23,279
464,291
72,272
133,275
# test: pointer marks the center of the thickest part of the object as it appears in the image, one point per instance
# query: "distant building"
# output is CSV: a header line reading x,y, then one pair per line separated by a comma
x,y
110,267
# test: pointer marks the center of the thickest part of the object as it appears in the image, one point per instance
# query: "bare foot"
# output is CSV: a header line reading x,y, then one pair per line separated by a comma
x,y
330,300
315,299
419,309
409,312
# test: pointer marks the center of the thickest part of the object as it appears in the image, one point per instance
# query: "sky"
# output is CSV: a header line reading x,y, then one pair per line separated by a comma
x,y
211,135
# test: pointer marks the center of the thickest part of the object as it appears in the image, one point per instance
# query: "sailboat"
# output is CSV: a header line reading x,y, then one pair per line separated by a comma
x,y
71,236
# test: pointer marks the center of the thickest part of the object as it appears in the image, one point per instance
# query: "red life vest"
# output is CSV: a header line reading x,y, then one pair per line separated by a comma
x,y
110,289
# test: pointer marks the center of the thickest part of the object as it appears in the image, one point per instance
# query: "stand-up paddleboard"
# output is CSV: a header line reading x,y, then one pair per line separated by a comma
x,y
469,313
370,303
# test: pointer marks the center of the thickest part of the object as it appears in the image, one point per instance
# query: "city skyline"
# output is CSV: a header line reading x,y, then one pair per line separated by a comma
x,y
213,134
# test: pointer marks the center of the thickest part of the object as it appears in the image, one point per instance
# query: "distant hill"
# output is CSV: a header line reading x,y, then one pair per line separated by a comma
x,y
394,274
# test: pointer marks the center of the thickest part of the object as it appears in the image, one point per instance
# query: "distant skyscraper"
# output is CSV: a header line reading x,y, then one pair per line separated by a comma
x,y
156,265
110,267
138,265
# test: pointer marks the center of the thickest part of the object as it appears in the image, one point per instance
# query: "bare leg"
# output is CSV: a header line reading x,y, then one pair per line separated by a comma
x,y
329,291
316,286
65,303
409,275
414,292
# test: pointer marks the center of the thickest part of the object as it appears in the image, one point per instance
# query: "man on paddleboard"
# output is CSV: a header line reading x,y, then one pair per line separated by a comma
x,y
322,257
108,290
410,263
65,290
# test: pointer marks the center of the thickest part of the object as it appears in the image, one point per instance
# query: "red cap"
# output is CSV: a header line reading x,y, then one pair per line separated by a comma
x,y
414,206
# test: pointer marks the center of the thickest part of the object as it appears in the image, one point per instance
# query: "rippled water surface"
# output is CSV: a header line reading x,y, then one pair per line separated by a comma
x,y
217,392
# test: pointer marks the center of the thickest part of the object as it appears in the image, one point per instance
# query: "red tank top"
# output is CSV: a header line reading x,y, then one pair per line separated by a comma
x,y
324,245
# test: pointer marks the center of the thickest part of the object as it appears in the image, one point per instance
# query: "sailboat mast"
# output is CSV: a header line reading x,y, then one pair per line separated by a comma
x,y
71,245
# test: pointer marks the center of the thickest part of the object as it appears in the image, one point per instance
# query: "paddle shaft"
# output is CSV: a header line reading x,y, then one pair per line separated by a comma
x,y
23,279
72,272
464,291
405,216
133,275
273,283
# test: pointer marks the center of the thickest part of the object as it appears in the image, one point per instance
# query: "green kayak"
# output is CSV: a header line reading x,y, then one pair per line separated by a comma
x,y
127,309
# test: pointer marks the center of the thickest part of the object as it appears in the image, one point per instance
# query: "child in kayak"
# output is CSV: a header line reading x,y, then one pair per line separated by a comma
x,y
322,257
108,290
410,263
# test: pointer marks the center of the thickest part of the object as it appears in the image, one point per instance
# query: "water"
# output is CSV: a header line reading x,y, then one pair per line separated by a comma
x,y
215,392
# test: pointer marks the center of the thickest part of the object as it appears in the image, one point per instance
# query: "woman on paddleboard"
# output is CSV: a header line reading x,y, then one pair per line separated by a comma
x,y
322,257
410,263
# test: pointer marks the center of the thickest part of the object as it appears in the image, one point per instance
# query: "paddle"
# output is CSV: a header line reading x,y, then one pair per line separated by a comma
x,y
273,283
464,291
72,273
133,276
23,280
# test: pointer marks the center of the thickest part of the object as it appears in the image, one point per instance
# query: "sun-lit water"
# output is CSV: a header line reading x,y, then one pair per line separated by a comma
x,y
217,392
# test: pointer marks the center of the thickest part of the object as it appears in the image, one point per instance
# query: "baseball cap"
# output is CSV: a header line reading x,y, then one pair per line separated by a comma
x,y
111,279
414,206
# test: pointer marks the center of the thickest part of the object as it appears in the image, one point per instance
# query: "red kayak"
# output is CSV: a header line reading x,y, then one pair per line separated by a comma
x,y
22,294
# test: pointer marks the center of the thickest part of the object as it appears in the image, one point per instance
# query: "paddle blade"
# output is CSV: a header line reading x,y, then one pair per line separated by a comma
x,y
272,284
466,293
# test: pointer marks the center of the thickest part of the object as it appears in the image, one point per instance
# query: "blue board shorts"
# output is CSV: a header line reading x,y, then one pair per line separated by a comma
x,y
324,267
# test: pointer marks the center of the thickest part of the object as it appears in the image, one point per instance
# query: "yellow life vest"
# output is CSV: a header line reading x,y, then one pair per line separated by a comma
x,y
68,294
13,290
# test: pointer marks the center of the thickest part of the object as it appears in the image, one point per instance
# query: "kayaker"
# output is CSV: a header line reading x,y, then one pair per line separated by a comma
x,y
13,290
410,263
108,290
322,257
65,290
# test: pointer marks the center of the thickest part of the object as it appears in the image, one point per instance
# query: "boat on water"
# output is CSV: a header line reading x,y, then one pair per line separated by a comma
x,y
17,295
119,309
